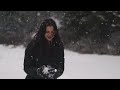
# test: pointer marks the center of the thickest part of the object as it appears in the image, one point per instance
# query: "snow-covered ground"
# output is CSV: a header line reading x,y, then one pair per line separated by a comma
x,y
77,66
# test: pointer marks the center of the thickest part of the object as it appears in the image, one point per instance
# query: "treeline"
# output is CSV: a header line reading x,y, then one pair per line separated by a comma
x,y
81,31
92,31
17,27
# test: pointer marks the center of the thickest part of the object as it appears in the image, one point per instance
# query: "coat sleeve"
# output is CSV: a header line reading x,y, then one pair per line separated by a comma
x,y
29,64
60,62
60,70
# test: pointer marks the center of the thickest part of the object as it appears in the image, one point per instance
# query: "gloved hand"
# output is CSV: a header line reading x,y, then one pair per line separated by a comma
x,y
40,71
47,72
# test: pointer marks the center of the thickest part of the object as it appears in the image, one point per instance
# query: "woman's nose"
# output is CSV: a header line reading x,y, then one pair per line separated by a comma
x,y
50,34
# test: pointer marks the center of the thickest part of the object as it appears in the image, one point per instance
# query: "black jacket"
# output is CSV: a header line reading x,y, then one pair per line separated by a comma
x,y
44,55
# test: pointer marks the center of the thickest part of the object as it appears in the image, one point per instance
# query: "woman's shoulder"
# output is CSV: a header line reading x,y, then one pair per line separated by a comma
x,y
31,46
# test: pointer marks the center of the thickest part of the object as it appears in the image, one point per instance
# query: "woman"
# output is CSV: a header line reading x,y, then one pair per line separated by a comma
x,y
44,55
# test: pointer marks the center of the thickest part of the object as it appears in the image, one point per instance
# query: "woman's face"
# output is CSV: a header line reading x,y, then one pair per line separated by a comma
x,y
49,35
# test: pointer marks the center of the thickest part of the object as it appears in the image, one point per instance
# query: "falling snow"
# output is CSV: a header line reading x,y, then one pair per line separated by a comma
x,y
38,14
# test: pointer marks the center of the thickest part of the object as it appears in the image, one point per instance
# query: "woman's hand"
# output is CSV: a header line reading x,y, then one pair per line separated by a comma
x,y
46,72
39,72
49,71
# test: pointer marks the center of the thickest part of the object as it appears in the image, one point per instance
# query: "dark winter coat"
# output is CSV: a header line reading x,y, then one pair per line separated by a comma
x,y
40,53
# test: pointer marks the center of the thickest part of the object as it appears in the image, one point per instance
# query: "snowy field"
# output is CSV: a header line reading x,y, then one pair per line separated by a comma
x,y
77,66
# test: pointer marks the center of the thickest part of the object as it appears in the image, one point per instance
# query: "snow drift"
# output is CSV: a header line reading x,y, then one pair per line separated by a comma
x,y
77,66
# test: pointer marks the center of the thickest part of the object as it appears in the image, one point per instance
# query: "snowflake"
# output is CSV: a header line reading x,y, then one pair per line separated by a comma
x,y
27,20
115,44
114,13
2,15
94,41
38,14
113,25
64,14
86,32
101,17
105,23
83,19
94,11
80,22
73,42
118,15
19,19
113,20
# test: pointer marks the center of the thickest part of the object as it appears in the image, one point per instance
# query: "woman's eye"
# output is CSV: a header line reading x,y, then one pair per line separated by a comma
x,y
52,32
47,32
